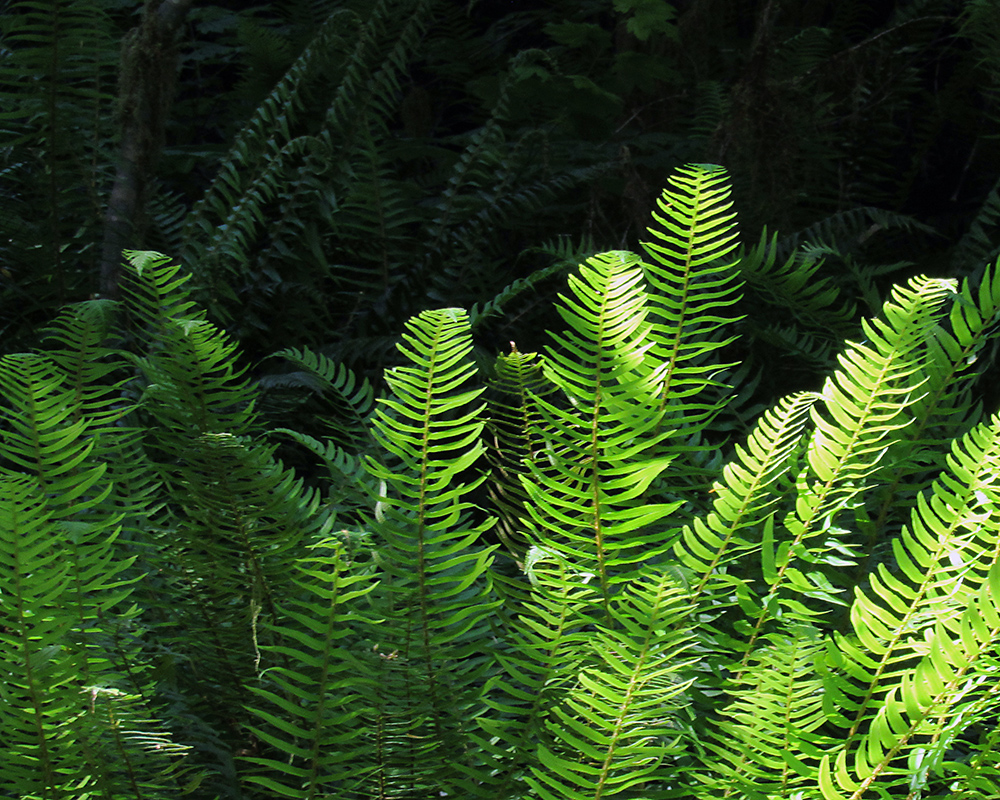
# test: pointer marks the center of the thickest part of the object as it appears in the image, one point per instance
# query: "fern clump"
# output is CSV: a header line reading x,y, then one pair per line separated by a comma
x,y
572,580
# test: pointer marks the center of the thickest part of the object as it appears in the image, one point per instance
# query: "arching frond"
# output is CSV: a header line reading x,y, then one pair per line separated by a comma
x,y
711,546
814,316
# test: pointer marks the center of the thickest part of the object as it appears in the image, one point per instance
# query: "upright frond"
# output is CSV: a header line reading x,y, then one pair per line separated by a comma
x,y
586,502
693,286
437,590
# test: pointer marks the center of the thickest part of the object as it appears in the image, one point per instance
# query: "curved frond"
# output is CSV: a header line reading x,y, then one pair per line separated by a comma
x,y
864,404
814,316
351,399
711,545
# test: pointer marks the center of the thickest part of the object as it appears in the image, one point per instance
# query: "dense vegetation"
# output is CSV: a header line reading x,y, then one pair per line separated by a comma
x,y
409,478
816,615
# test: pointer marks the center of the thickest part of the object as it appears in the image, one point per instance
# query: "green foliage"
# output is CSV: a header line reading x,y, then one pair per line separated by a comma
x,y
811,611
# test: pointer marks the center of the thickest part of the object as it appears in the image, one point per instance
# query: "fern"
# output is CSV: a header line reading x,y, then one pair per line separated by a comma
x,y
438,592
772,734
809,612
312,707
515,426
232,521
601,446
814,317
67,579
617,726
692,289
544,651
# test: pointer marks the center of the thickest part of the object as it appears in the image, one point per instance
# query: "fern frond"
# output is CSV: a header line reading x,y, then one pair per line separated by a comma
x,y
942,556
544,648
236,520
59,63
745,496
771,736
47,435
588,504
236,195
865,402
692,291
821,318
516,440
351,398
63,581
954,682
438,593
310,697
40,698
958,352
480,312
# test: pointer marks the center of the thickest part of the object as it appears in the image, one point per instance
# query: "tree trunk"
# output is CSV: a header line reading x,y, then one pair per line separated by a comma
x,y
145,88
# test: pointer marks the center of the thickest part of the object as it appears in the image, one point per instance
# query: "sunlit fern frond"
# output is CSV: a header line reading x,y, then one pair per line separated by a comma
x,y
863,404
586,487
771,735
693,287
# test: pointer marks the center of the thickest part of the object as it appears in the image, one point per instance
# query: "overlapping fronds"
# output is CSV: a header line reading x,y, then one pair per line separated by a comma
x,y
66,580
262,152
934,600
617,730
814,317
771,737
40,694
958,356
348,397
347,405
664,628
281,168
865,403
952,687
233,520
516,440
544,650
235,495
310,698
56,80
